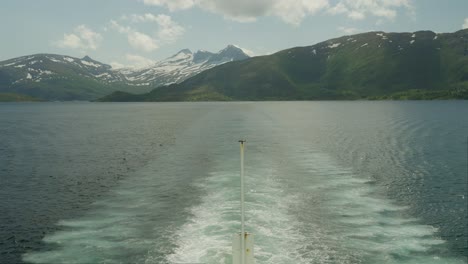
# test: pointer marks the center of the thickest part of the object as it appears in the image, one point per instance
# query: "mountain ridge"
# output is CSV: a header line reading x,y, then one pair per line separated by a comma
x,y
61,77
182,65
371,65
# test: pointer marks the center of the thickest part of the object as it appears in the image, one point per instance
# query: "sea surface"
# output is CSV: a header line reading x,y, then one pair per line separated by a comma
x,y
326,182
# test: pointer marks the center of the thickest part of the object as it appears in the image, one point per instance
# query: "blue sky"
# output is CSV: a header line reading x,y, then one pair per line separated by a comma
x,y
139,32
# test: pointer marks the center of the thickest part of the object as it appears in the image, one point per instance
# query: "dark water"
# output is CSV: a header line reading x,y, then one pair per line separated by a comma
x,y
328,182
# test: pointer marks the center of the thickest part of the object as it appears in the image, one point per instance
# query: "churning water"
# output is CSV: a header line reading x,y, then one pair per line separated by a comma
x,y
327,182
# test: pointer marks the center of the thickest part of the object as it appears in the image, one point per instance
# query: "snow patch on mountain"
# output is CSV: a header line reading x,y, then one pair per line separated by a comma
x,y
53,59
181,66
175,69
41,67
68,59
91,64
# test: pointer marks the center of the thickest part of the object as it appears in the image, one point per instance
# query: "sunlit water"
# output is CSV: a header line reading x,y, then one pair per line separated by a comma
x,y
327,182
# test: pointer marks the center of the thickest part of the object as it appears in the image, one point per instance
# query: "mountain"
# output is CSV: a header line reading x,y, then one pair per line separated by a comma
x,y
373,65
182,66
58,77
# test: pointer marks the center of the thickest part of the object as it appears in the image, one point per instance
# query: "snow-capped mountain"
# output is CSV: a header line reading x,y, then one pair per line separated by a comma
x,y
61,77
42,67
181,66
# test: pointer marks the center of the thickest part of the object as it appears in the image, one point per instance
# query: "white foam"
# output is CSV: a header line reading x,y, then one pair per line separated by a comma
x,y
302,207
366,224
206,238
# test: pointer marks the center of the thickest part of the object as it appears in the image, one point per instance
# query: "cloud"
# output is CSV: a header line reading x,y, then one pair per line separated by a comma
x,y
360,9
171,4
168,31
136,39
70,41
356,15
138,61
294,11
247,51
339,8
290,11
117,65
348,30
83,38
119,28
465,24
141,41
132,61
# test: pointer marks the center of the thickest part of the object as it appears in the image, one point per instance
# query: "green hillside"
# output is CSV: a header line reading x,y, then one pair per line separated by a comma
x,y
12,97
53,77
374,65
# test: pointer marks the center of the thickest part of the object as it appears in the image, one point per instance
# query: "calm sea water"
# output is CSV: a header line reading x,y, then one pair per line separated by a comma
x,y
327,182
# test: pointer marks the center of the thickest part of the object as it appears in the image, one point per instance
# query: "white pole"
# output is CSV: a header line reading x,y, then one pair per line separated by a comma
x,y
242,201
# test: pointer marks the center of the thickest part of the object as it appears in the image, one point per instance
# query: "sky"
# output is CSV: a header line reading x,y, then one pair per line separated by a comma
x,y
136,33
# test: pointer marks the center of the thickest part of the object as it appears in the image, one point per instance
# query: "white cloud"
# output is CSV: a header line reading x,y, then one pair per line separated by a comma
x,y
83,38
465,24
356,15
89,37
168,30
339,8
137,40
348,30
294,11
246,51
360,9
70,41
117,65
121,29
132,61
141,41
290,11
171,4
138,61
